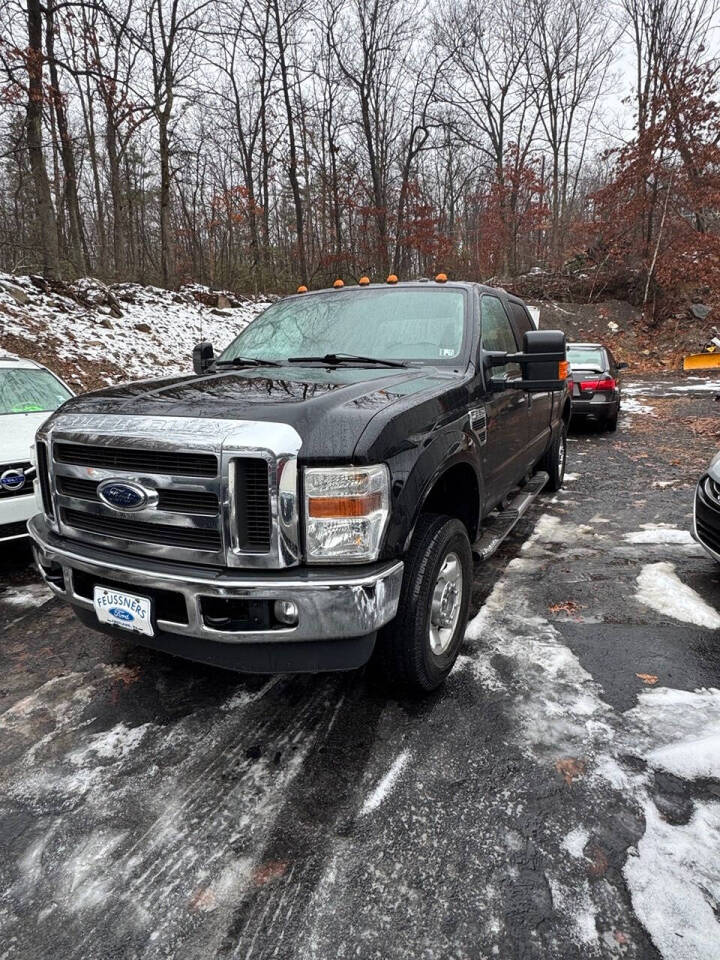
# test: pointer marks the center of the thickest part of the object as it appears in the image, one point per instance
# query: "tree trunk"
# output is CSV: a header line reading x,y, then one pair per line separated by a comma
x,y
167,268
66,153
293,160
44,210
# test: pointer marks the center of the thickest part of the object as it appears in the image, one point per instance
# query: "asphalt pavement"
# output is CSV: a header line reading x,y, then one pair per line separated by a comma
x,y
558,798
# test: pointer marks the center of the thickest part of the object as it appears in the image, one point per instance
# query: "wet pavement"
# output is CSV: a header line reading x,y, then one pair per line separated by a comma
x,y
559,798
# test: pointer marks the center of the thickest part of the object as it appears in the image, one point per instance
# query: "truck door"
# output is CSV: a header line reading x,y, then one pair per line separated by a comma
x,y
505,450
539,405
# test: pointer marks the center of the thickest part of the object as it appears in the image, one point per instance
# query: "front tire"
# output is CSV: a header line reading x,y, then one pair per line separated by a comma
x,y
416,651
554,460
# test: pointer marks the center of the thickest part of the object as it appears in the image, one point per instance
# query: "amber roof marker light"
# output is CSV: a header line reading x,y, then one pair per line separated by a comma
x,y
338,283
440,278
364,281
392,279
301,289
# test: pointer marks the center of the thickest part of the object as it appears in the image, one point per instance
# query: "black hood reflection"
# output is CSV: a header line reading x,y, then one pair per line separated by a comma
x,y
329,408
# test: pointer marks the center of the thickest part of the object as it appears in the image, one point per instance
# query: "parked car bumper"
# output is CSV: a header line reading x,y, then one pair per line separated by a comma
x,y
15,511
595,407
706,516
339,609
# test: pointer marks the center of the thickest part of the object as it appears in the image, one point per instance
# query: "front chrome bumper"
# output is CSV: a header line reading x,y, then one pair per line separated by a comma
x,y
332,604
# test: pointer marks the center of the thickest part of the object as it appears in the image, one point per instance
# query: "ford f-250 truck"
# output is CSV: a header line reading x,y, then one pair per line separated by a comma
x,y
314,495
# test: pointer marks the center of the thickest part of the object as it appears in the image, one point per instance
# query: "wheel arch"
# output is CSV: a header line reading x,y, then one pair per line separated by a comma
x,y
455,492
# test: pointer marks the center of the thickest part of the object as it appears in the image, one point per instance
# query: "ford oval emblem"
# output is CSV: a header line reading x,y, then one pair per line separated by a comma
x,y
121,614
13,480
123,494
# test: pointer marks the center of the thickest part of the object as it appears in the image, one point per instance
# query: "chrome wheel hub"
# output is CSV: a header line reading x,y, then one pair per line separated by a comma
x,y
446,603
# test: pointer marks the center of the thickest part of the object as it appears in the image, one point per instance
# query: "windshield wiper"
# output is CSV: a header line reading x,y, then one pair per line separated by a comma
x,y
246,362
334,359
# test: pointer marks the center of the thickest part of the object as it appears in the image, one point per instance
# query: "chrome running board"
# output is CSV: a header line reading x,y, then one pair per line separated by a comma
x,y
501,522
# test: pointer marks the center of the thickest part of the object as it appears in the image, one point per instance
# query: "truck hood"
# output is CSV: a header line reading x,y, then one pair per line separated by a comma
x,y
329,408
18,434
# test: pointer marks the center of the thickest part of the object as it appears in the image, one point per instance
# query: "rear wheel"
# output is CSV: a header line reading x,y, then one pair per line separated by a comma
x,y
554,460
417,650
612,421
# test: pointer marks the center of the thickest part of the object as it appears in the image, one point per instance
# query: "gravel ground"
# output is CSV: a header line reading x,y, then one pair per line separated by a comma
x,y
560,797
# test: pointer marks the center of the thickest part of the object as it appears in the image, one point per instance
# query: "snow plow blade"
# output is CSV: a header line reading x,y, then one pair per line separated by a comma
x,y
702,361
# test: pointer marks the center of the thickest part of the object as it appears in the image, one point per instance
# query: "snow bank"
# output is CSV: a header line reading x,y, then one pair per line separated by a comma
x,y
93,334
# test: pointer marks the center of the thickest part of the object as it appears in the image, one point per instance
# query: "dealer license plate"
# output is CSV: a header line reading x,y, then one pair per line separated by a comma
x,y
124,610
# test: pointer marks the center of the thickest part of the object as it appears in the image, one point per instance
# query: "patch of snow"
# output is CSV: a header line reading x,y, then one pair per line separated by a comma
x,y
576,841
373,801
660,588
571,477
659,533
576,904
113,744
31,595
674,882
630,405
683,730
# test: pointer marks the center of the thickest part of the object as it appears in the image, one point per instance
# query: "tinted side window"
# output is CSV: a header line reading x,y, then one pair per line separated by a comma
x,y
521,319
497,334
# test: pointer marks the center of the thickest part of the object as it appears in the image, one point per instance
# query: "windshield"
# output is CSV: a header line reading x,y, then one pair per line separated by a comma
x,y
590,357
421,325
30,391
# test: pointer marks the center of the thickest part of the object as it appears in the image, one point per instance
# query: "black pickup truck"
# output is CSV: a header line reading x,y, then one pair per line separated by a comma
x,y
314,495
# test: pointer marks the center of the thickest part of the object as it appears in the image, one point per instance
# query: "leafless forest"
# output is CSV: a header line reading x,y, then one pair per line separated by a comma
x,y
256,144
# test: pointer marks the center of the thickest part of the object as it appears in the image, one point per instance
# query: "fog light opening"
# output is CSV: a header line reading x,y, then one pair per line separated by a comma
x,y
286,612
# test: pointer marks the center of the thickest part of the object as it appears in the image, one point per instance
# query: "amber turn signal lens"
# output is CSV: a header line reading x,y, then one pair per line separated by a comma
x,y
338,283
441,278
563,370
391,279
341,507
302,288
364,281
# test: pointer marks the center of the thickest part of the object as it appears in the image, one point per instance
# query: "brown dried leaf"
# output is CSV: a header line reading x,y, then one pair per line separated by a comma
x,y
569,606
649,678
266,872
203,900
571,768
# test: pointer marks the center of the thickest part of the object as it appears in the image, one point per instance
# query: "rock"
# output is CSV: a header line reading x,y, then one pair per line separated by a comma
x,y
106,322
18,295
143,327
220,313
699,310
223,302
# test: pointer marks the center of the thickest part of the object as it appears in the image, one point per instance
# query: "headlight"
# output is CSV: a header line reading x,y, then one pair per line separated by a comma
x,y
346,509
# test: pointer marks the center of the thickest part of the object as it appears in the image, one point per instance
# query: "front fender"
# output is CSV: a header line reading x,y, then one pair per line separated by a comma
x,y
415,473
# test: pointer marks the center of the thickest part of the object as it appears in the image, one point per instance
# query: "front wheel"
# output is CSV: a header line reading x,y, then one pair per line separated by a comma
x,y
416,651
554,460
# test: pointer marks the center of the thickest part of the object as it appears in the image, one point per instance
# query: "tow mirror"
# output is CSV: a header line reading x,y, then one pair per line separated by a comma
x,y
543,361
203,356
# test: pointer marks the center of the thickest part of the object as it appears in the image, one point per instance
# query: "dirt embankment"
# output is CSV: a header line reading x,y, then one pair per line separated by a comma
x,y
622,327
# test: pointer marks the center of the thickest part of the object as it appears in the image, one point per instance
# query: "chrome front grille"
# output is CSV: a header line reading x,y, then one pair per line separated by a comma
x,y
215,487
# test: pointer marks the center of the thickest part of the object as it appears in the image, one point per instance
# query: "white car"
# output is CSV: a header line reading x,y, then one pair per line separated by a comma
x,y
28,395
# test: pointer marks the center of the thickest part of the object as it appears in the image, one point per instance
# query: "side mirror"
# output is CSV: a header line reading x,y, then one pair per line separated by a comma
x,y
203,356
543,361
622,365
